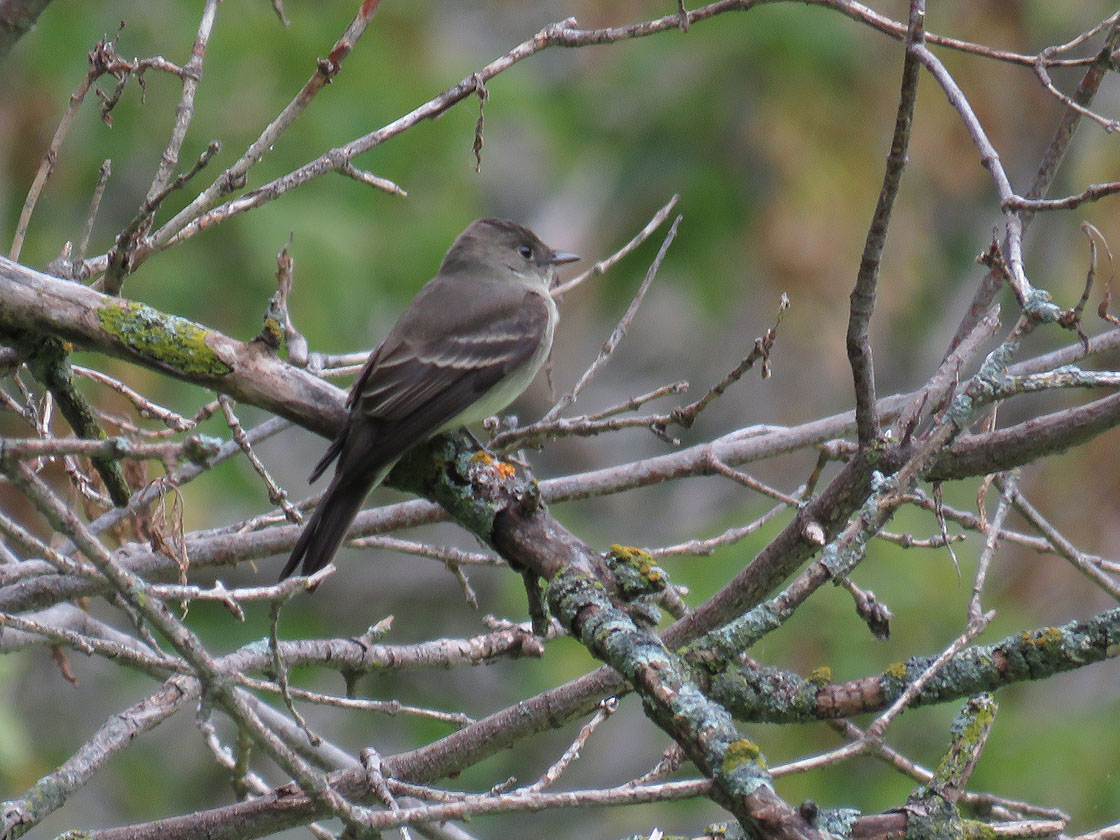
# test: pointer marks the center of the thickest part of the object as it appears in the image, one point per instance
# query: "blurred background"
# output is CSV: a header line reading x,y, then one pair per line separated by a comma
x,y
773,127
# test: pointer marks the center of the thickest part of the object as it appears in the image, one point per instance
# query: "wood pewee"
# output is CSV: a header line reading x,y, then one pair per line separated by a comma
x,y
469,343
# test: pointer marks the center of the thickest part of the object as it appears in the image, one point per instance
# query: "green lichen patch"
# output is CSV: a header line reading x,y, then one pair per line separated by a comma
x,y
1043,638
896,670
977,830
630,553
742,752
636,572
974,721
169,340
272,333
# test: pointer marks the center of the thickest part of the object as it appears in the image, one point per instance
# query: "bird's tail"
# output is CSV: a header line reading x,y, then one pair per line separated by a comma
x,y
324,532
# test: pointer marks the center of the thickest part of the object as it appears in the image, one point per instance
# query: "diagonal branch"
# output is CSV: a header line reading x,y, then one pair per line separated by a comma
x,y
863,295
35,302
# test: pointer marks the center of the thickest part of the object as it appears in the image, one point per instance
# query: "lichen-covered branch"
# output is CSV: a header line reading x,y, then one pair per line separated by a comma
x,y
45,305
771,695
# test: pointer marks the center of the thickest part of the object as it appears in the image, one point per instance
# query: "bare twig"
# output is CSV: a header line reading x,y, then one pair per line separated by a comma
x,y
233,598
619,331
94,204
589,424
685,416
671,760
1009,487
603,266
607,708
739,477
191,75
144,406
1061,545
863,294
1093,192
276,494
536,434
386,707
1055,153
193,448
121,259
449,555
1042,70
371,180
879,726
103,59
728,537
234,177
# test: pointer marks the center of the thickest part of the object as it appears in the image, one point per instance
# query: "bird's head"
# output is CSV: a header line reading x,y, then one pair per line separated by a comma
x,y
504,249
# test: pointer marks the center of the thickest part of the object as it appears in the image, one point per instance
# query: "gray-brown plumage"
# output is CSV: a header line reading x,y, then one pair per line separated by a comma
x,y
467,345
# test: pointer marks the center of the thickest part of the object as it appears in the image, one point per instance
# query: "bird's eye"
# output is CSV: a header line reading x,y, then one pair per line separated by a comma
x,y
525,251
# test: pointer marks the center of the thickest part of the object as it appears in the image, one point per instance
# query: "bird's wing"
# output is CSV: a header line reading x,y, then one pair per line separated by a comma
x,y
424,375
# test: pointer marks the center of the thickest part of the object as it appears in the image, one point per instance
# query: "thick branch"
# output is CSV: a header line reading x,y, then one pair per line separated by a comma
x,y
75,312
39,303
772,695
504,513
1026,442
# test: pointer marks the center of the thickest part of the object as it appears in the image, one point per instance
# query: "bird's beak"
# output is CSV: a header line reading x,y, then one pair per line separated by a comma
x,y
561,257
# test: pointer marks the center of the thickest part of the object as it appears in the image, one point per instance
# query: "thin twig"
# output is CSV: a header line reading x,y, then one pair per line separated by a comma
x,y
1098,70
619,331
94,205
603,266
1061,545
879,726
729,537
686,415
1042,71
587,425
671,760
184,113
280,667
1093,192
192,448
144,406
369,179
391,708
863,294
234,177
276,494
233,598
606,708
537,433
739,477
1009,487
449,555
101,57
121,257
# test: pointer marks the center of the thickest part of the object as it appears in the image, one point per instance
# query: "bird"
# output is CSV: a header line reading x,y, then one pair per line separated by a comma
x,y
467,345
